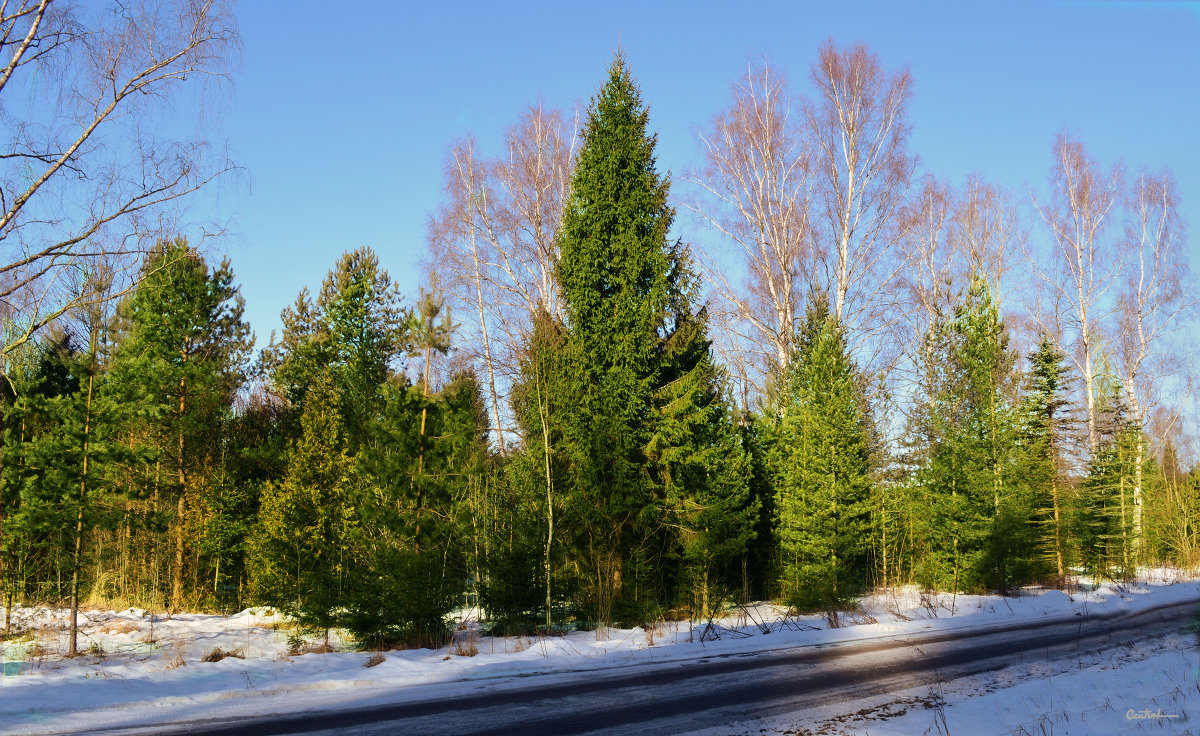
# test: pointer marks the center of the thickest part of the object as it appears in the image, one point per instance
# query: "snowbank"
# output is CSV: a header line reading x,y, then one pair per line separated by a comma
x,y
141,668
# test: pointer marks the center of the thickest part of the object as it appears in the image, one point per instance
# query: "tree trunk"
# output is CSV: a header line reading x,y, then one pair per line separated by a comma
x,y
1089,385
544,414
1058,545
487,346
1124,531
421,450
72,647
177,571
5,584
1135,411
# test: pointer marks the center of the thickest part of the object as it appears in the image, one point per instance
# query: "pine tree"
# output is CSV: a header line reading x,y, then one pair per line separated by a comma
x,y
357,327
823,470
408,547
431,334
180,358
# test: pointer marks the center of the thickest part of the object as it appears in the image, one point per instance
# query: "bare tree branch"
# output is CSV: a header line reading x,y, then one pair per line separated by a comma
x,y
756,182
84,175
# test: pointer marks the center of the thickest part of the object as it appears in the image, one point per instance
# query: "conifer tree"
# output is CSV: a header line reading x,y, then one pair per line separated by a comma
x,y
1045,424
431,334
614,269
1104,513
408,547
301,554
179,360
695,453
1173,511
982,525
519,580
759,573
357,326
822,470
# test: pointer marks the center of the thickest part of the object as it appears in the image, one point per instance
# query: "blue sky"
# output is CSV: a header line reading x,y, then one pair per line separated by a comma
x,y
342,118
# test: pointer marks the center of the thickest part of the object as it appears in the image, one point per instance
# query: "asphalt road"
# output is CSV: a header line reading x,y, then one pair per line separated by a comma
x,y
723,689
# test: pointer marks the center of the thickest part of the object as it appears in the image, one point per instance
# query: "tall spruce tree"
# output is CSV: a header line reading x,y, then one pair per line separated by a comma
x,y
1104,513
1046,421
695,453
822,470
982,533
759,573
614,269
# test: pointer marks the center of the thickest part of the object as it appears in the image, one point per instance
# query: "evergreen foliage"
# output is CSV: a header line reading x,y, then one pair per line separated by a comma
x,y
655,469
1105,506
822,467
358,328
527,573
181,346
140,464
695,453
301,549
614,269
981,531
1046,424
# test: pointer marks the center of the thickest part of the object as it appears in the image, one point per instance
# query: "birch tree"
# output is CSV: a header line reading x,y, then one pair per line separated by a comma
x,y
859,128
86,172
1151,303
926,283
756,187
458,249
1077,213
986,229
494,243
532,178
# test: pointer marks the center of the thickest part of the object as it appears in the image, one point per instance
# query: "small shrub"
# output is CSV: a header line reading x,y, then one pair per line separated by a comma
x,y
929,605
466,648
320,649
217,654
295,644
859,616
96,649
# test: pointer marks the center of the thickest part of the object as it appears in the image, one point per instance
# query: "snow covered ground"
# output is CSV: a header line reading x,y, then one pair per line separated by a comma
x,y
1151,687
141,668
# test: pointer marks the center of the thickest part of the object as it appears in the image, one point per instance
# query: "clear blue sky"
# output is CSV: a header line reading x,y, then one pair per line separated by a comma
x,y
342,114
